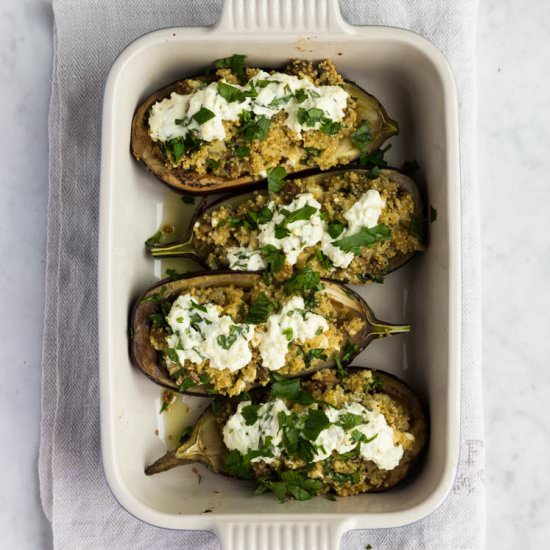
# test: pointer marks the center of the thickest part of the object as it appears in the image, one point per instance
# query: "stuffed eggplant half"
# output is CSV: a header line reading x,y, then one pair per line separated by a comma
x,y
225,333
360,432
230,129
350,225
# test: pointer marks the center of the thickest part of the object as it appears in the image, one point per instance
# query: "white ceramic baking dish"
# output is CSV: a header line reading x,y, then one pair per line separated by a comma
x,y
414,82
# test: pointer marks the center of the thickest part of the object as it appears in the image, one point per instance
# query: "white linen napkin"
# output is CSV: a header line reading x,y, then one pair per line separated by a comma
x,y
88,36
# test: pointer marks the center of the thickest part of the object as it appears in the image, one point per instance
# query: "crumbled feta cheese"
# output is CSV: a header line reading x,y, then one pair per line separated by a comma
x,y
237,435
292,323
277,95
201,333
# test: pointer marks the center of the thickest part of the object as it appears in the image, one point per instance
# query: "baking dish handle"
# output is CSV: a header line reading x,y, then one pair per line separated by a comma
x,y
281,16
281,534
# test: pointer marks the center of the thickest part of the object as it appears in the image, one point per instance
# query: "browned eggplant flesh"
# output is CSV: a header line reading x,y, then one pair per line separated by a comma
x,y
226,333
341,433
234,126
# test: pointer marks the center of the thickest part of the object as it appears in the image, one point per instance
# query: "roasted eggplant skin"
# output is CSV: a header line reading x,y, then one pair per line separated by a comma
x,y
145,357
190,249
151,155
206,445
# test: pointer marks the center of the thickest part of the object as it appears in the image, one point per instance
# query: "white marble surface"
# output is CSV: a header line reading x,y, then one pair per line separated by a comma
x,y
514,145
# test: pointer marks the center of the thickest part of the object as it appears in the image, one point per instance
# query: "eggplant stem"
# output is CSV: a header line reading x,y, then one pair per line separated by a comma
x,y
380,330
173,249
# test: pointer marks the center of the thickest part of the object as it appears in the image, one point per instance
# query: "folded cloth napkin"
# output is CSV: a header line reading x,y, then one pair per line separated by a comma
x,y
88,36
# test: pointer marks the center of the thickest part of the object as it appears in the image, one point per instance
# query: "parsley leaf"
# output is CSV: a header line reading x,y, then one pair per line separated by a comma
x,y
349,420
235,63
300,95
316,353
203,115
303,213
323,259
154,239
188,199
335,229
260,310
230,93
364,237
316,421
330,127
375,159
362,136
250,414
281,231
274,257
286,388
276,179
242,152
226,341
256,129
304,280
309,117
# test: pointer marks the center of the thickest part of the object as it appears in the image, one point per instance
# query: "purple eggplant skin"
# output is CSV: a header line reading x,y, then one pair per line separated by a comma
x,y
188,248
206,446
146,358
151,155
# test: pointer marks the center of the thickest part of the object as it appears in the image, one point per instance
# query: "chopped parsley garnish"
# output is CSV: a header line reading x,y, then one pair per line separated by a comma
x,y
289,333
239,465
274,257
364,237
300,95
172,355
212,164
362,136
316,353
235,64
230,93
250,414
154,239
276,179
195,305
349,420
260,310
309,117
349,351
281,231
157,319
280,100
360,437
286,388
176,147
227,341
203,115
264,215
330,127
315,422
291,484
375,159
255,128
304,281
242,152
335,229
303,213
172,273
323,259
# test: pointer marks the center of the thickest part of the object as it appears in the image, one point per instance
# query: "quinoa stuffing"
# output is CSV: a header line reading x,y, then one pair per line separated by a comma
x,y
347,225
229,339
240,122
